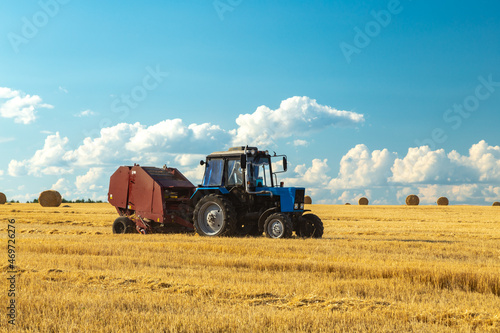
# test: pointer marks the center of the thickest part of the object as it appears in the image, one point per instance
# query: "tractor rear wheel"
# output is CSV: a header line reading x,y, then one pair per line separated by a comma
x,y
214,215
310,225
123,225
278,225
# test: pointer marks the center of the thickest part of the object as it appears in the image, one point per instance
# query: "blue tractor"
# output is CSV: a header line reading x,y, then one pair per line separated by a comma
x,y
240,195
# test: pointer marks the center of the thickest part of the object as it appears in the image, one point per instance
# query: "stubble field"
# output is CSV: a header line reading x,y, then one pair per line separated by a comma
x,y
377,269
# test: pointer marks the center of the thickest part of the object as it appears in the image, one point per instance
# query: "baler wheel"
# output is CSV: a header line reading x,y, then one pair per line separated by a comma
x,y
310,225
214,215
278,225
123,225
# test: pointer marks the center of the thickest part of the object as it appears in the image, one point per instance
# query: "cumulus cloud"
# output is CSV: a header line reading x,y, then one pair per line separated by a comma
x,y
361,168
128,143
314,175
108,148
464,193
188,159
89,181
389,179
61,185
48,161
296,115
20,106
423,165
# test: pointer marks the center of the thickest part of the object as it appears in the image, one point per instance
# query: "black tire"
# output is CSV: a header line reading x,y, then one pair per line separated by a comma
x,y
278,225
214,216
310,225
123,225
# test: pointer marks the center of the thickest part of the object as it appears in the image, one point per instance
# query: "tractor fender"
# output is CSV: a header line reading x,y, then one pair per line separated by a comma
x,y
264,216
203,191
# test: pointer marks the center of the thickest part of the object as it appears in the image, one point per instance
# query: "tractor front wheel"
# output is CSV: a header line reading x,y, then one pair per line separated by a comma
x,y
214,215
278,225
123,225
310,225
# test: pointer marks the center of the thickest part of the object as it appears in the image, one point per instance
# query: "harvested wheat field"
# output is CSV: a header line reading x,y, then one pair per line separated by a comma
x,y
377,269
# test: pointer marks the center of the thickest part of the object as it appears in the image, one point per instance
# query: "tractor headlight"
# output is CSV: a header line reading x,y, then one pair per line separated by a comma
x,y
296,205
302,206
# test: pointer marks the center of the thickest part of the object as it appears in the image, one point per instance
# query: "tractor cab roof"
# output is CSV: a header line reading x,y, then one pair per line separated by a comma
x,y
235,152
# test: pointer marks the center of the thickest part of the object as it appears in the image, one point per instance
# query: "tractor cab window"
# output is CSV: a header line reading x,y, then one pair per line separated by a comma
x,y
234,173
259,173
213,173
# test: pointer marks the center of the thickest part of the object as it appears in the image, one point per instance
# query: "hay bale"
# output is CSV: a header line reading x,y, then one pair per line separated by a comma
x,y
443,201
347,204
3,198
496,203
50,198
308,200
363,201
412,200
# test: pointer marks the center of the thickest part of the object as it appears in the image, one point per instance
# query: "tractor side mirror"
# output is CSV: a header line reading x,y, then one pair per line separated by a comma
x,y
285,164
243,161
202,162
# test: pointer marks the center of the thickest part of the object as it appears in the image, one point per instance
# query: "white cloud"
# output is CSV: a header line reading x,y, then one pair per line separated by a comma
x,y
62,89
300,143
61,185
188,159
483,160
48,160
464,193
384,178
295,116
173,135
19,106
85,113
314,175
195,175
89,181
491,193
108,148
423,165
362,168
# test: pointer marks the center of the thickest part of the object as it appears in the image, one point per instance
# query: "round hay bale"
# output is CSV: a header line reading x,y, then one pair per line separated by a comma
x,y
347,204
412,200
496,203
363,201
308,200
443,201
3,198
50,198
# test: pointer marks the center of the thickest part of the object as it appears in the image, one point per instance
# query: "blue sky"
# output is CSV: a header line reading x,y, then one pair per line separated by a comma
x,y
379,99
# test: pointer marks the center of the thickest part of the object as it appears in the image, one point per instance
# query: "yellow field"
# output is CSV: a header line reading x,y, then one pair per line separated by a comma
x,y
378,268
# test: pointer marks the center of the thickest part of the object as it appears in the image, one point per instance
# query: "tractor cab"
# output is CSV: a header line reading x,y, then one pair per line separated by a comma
x,y
239,167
